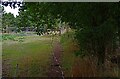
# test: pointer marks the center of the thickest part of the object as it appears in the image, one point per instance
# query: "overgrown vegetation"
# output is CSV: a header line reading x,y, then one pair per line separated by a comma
x,y
76,64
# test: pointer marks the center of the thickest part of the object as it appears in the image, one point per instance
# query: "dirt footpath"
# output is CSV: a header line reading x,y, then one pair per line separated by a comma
x,y
55,69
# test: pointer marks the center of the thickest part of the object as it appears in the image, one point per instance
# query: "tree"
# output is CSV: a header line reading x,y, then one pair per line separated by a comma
x,y
7,21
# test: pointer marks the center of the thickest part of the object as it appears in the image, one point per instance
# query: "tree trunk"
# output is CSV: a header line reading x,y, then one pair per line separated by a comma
x,y
119,35
101,60
38,31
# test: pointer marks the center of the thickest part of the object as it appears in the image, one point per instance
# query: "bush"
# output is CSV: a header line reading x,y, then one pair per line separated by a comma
x,y
8,37
13,37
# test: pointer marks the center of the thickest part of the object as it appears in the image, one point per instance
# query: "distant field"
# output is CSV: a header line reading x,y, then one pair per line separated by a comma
x,y
29,58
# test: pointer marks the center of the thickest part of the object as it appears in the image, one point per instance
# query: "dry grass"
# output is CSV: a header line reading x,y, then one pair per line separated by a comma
x,y
83,68
74,66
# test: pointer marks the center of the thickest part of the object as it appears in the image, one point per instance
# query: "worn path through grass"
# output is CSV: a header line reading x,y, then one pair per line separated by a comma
x,y
55,69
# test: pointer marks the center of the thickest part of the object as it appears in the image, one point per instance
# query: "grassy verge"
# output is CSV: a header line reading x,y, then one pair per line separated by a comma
x,y
69,48
31,56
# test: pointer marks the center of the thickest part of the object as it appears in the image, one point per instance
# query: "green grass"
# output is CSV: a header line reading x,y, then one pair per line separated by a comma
x,y
31,55
68,54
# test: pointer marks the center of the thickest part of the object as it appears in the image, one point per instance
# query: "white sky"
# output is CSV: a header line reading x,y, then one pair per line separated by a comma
x,y
11,10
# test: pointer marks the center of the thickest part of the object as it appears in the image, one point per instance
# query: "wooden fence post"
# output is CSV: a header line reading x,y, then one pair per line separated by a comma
x,y
16,70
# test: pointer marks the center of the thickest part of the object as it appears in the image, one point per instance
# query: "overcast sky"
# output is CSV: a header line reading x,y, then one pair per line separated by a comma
x,y
11,10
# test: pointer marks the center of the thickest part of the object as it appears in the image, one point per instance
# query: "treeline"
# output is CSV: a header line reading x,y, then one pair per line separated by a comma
x,y
16,24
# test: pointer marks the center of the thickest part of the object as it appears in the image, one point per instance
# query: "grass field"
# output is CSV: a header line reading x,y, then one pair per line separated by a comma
x,y
29,58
